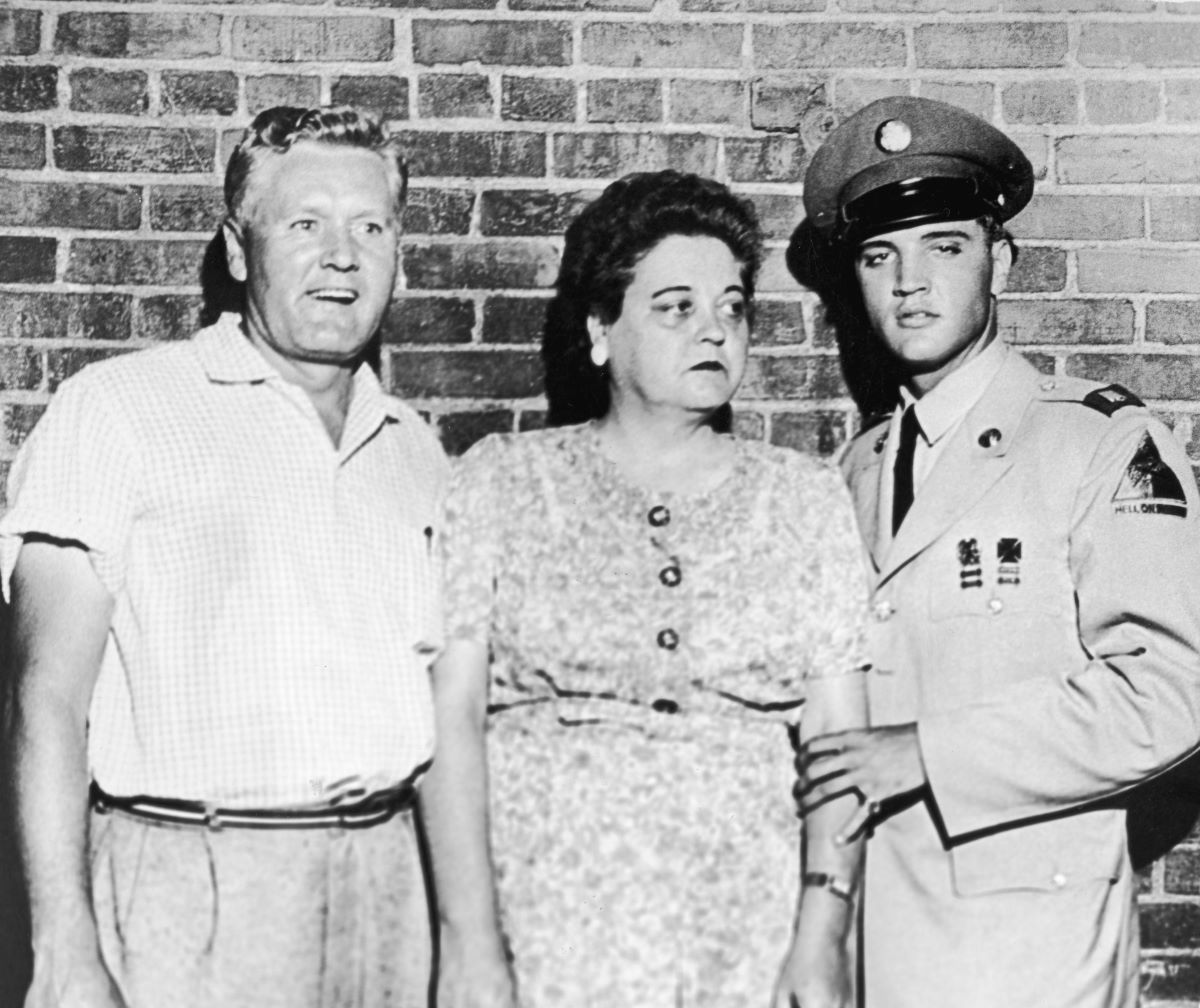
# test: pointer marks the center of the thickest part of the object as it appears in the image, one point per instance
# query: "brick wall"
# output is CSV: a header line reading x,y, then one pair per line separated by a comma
x,y
115,118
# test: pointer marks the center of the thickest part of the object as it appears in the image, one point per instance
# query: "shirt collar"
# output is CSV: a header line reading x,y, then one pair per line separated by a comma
x,y
952,398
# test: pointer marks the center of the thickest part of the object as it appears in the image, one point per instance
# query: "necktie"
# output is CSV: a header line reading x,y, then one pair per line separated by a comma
x,y
902,474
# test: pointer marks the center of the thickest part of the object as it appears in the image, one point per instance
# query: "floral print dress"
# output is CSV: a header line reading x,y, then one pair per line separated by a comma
x,y
649,653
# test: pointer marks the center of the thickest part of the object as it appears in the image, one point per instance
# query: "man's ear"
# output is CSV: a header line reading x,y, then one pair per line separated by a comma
x,y
1002,260
235,250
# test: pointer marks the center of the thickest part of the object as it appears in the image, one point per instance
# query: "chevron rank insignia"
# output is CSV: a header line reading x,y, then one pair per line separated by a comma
x,y
1111,398
1149,485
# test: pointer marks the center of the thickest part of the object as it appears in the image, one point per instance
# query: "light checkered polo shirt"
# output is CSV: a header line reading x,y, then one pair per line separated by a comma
x,y
277,598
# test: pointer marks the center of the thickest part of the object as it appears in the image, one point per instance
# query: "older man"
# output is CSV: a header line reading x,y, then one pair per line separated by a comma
x,y
221,562
1036,544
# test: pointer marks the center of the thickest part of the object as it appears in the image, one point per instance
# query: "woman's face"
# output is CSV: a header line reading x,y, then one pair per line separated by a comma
x,y
680,341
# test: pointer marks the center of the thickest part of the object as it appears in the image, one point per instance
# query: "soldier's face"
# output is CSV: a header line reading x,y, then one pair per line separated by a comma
x,y
928,290
318,254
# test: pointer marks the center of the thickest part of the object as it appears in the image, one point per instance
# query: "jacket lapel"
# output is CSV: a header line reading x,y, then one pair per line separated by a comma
x,y
862,468
975,458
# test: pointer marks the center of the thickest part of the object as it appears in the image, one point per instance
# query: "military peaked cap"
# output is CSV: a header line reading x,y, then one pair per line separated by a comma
x,y
901,161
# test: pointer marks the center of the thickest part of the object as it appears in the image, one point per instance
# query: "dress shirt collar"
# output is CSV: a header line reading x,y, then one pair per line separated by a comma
x,y
940,409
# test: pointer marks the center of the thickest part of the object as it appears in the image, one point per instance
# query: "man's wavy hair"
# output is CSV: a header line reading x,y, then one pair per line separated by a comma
x,y
276,130
602,249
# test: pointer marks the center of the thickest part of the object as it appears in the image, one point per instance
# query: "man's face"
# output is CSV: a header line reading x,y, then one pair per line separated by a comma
x,y
927,291
318,252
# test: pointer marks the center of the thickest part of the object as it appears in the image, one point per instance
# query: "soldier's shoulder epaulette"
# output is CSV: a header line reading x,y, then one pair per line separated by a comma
x,y
1105,399
1110,398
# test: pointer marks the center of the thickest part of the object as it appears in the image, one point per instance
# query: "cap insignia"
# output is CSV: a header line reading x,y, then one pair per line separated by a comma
x,y
893,136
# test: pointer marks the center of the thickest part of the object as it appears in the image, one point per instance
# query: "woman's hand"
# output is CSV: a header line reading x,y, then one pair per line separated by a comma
x,y
471,976
814,975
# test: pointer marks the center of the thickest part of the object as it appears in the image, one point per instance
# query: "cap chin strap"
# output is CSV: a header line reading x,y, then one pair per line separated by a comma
x,y
913,202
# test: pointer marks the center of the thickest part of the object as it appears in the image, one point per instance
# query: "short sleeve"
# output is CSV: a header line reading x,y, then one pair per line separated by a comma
x,y
75,478
471,538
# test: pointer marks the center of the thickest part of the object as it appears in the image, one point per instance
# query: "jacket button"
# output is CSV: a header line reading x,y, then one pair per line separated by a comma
x,y
667,639
670,576
883,610
658,516
665,706
995,606
1059,880
989,437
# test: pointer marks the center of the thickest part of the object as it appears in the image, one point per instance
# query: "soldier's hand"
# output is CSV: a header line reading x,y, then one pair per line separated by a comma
x,y
878,765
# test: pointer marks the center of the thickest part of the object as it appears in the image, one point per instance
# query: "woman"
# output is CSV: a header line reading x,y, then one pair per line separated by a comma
x,y
646,597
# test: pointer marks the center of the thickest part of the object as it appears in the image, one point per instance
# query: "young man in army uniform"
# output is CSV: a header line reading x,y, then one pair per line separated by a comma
x,y
1034,625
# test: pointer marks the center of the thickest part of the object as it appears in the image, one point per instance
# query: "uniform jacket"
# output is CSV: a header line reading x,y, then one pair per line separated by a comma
x,y
1037,616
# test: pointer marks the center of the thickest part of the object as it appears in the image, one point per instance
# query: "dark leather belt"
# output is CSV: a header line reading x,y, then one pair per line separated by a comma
x,y
372,811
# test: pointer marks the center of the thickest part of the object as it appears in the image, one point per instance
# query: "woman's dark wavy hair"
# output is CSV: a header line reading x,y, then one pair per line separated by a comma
x,y
602,249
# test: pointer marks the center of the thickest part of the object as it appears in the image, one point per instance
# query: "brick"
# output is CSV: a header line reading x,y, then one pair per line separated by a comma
x,y
20,32
755,6
749,425
1152,376
531,419
475,154
1111,103
1182,100
455,96
473,374
70,361
429,320
458,431
835,44
387,96
782,105
133,149
164,317
1141,158
1010,44
186,208
1158,270
22,145
20,369
270,90
1066,321
1173,323
774,277
778,323
438,211
212,93
1079,6
919,6
1123,44
977,98
604,155
615,6
516,212
658,45
499,43
28,88
121,92
1041,101
793,378
611,100
1081,218
537,99
1175,218
45,315
1170,925
138,36
122,261
484,266
514,319
437,5
1038,269
820,432
718,102
775,158
778,214
1037,149
1181,872
1170,981
27,260
852,93
18,420
56,204
312,39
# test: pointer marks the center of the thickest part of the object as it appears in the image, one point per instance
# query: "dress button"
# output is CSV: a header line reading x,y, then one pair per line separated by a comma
x,y
989,437
668,639
658,516
670,576
1049,385
883,610
665,706
995,606
1059,880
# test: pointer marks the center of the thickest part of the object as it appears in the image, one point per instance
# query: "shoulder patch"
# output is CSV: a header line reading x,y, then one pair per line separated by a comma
x,y
1149,485
1111,398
